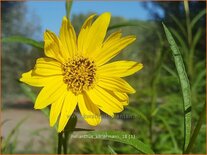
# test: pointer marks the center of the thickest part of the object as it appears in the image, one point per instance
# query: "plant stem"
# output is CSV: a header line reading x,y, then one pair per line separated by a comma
x,y
154,92
196,131
64,136
60,141
189,37
187,13
65,142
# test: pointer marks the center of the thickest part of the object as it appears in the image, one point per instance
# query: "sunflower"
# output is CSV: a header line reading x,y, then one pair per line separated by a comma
x,y
74,72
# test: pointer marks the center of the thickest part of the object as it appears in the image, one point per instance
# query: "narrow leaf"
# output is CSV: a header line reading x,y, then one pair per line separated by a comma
x,y
28,91
179,24
200,77
122,137
186,92
181,41
68,6
197,18
196,130
169,70
111,150
172,136
13,131
126,24
138,113
21,39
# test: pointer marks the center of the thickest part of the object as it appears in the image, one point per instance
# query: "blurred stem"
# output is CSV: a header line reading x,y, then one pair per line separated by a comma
x,y
65,143
60,141
196,131
154,81
189,37
64,136
187,13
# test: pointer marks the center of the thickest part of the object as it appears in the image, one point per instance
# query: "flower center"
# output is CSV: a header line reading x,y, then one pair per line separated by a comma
x,y
79,74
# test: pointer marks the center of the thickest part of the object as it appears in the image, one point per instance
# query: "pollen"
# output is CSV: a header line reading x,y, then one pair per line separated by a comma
x,y
79,74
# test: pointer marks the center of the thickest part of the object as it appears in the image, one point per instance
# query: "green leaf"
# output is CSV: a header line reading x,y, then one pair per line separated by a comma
x,y
21,39
169,70
68,6
172,136
69,128
200,77
179,24
28,91
111,150
196,38
186,92
3,122
180,39
197,18
11,134
138,113
196,130
126,24
122,137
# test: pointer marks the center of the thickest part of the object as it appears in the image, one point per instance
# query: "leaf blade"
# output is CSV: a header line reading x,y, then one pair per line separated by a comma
x,y
185,86
25,40
68,6
122,137
197,18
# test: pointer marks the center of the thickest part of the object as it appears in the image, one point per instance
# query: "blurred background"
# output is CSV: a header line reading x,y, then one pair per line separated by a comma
x,y
155,112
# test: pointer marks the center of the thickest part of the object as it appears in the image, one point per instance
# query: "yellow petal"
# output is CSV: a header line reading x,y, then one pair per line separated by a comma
x,y
84,32
47,67
50,93
112,37
69,105
105,101
53,47
115,84
68,38
119,68
33,79
122,97
111,48
56,108
88,110
96,34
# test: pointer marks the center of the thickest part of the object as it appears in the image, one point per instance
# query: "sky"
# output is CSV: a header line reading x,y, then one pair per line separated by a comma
x,y
51,13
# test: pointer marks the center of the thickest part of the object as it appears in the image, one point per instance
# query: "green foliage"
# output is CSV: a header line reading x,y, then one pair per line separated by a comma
x,y
68,6
121,137
184,85
16,57
9,144
24,40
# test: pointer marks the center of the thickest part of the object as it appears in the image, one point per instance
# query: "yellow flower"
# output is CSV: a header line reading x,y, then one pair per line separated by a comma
x,y
74,72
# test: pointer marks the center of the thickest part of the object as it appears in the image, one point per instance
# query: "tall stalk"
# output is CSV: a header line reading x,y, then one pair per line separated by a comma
x,y
154,81
189,38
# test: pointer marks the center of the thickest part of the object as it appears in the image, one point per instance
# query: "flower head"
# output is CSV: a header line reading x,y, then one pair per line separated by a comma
x,y
74,72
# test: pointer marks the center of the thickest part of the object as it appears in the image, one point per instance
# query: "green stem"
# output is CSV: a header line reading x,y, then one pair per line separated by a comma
x,y
60,141
196,131
154,92
65,143
187,13
189,37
